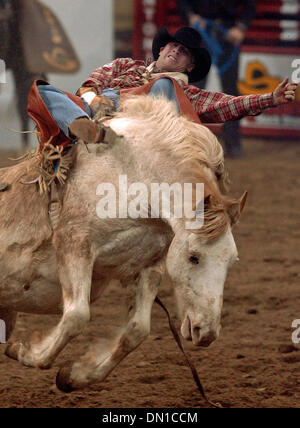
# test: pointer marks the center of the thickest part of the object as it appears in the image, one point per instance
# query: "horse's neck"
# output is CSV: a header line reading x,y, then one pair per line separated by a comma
x,y
126,163
158,169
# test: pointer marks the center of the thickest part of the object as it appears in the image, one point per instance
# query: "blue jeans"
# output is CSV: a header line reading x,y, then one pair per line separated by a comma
x,y
64,111
162,86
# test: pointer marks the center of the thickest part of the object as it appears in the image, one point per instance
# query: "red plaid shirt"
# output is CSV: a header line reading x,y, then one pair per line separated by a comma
x,y
212,107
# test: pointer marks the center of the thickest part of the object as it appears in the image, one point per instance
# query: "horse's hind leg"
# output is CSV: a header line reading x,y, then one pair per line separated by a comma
x,y
75,274
94,366
7,323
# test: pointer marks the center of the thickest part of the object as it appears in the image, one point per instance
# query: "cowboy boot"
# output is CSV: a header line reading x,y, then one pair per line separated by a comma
x,y
86,130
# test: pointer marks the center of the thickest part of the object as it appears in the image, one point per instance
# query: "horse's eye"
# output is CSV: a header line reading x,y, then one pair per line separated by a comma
x,y
194,260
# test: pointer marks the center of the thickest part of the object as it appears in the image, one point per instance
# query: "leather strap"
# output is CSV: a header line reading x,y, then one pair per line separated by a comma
x,y
54,206
187,358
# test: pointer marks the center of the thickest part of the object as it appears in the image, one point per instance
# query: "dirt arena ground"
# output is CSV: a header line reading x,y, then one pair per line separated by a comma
x,y
253,363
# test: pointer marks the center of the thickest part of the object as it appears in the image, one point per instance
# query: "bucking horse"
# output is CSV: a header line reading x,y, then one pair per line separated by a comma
x,y
61,264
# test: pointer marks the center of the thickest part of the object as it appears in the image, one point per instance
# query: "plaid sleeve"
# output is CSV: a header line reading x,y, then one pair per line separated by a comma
x,y
106,76
216,107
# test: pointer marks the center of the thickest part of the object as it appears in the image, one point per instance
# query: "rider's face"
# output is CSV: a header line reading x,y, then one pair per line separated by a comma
x,y
175,57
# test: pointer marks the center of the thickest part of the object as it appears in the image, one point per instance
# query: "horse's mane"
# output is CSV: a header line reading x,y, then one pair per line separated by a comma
x,y
198,154
191,143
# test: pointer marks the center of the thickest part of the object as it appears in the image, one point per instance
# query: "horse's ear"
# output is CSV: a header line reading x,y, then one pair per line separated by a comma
x,y
236,208
203,206
207,202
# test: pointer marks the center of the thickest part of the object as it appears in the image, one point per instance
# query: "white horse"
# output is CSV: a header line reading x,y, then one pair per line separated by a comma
x,y
62,269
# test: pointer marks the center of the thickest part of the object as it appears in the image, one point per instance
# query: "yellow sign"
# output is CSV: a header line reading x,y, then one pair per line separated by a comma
x,y
259,81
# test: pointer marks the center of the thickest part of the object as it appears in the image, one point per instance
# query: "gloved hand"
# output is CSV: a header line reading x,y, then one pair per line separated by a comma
x,y
285,92
101,106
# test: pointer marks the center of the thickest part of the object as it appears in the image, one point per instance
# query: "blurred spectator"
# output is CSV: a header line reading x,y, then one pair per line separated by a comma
x,y
234,16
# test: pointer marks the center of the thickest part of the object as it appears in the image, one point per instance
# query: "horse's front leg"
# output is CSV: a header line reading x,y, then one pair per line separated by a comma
x,y
75,275
94,367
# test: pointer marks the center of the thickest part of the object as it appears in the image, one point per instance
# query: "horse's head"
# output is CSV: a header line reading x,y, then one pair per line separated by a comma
x,y
198,268
180,152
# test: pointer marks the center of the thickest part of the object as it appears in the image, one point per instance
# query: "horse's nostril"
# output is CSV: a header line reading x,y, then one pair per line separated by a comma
x,y
196,333
202,336
207,339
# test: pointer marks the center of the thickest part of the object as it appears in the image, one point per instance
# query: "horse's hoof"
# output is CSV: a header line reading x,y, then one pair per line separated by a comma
x,y
63,378
12,350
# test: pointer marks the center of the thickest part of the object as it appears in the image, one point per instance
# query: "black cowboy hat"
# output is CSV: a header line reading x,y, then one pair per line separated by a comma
x,y
192,40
